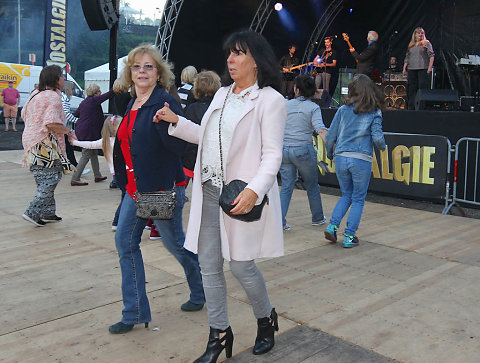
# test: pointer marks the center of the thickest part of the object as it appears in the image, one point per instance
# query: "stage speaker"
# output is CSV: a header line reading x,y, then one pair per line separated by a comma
x,y
436,99
99,14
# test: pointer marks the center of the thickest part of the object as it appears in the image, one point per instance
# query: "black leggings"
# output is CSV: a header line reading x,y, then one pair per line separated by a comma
x,y
417,79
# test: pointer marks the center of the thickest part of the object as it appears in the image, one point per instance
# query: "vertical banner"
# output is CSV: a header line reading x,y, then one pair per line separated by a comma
x,y
55,48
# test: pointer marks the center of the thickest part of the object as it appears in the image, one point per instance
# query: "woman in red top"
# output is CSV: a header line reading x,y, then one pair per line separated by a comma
x,y
147,159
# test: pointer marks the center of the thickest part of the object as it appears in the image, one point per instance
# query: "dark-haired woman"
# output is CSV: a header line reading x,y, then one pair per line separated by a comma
x,y
357,126
250,113
44,144
304,117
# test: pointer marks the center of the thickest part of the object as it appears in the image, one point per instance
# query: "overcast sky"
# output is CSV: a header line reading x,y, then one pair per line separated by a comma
x,y
148,7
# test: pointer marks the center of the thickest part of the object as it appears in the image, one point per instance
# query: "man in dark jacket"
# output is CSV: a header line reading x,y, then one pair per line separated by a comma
x,y
367,58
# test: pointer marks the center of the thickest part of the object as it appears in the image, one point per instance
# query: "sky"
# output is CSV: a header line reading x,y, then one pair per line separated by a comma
x,y
148,7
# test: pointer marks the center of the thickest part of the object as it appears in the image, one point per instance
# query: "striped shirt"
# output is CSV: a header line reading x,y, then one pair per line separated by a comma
x,y
71,120
184,91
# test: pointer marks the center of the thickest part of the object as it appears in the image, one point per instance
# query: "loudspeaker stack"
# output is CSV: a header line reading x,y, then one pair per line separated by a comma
x,y
395,90
99,14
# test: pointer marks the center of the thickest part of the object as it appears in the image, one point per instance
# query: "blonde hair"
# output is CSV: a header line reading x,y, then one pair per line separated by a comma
x,y
189,74
68,89
206,84
413,41
109,129
165,75
92,89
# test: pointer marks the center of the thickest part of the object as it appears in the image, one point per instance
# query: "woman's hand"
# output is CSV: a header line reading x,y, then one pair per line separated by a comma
x,y
429,70
165,114
244,202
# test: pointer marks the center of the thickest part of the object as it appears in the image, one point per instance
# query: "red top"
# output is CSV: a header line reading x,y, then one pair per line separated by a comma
x,y
124,135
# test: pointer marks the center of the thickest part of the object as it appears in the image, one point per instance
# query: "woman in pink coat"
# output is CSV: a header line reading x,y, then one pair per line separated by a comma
x,y
252,116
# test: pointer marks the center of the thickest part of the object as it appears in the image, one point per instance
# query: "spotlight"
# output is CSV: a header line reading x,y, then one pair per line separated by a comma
x,y
278,6
351,10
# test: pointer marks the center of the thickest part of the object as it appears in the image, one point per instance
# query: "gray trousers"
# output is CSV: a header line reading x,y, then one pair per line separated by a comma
x,y
47,179
87,154
211,266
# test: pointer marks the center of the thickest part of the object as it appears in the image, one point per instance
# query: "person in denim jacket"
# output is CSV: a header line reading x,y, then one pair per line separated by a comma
x,y
356,127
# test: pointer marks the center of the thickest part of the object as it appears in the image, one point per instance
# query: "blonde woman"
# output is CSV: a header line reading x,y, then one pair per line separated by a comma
x,y
419,63
146,159
188,76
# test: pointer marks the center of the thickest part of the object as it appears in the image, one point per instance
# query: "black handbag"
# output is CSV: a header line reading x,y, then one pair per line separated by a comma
x,y
156,205
231,190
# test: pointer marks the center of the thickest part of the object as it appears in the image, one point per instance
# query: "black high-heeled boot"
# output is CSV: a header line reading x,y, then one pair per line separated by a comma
x,y
215,346
265,333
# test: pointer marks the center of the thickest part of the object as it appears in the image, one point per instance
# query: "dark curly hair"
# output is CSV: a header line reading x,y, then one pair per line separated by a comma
x,y
305,85
262,53
364,94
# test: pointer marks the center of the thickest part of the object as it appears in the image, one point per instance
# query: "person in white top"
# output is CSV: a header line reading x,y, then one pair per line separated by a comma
x,y
250,114
109,131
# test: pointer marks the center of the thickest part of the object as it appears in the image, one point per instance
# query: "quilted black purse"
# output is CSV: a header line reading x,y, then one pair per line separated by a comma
x,y
231,190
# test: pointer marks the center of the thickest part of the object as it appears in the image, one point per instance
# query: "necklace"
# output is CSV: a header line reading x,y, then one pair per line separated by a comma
x,y
143,98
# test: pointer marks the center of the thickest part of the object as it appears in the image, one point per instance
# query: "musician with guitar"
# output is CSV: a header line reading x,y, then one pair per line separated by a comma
x,y
288,64
325,65
366,59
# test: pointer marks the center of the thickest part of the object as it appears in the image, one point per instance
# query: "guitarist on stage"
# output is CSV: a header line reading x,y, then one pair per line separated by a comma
x,y
288,75
325,65
366,59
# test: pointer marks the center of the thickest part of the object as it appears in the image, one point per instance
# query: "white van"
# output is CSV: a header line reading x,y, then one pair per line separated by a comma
x,y
25,76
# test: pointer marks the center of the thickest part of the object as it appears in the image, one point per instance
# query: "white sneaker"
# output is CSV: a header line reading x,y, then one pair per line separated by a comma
x,y
286,227
85,171
320,222
114,228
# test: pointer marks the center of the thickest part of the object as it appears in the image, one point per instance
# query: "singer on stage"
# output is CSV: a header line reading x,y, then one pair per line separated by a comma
x,y
419,63
288,75
325,65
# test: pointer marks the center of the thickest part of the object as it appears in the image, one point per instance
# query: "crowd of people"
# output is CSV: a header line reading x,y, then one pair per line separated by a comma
x,y
217,133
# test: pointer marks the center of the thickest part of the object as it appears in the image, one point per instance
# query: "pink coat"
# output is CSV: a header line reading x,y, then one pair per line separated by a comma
x,y
254,156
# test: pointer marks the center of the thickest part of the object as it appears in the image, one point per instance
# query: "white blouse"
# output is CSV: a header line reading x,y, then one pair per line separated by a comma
x,y
211,169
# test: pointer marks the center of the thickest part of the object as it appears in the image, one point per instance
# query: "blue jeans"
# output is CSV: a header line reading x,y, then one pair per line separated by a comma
x,y
127,240
304,159
353,177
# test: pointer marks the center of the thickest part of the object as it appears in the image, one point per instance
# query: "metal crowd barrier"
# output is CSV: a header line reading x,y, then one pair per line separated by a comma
x,y
465,174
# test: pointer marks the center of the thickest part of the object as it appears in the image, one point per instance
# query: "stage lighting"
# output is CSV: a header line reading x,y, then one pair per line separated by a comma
x,y
351,10
278,6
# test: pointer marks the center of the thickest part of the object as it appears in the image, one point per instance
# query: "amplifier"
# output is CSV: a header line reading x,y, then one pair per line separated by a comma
x,y
467,102
394,77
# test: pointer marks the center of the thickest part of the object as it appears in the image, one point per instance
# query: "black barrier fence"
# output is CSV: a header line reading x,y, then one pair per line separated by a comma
x,y
412,165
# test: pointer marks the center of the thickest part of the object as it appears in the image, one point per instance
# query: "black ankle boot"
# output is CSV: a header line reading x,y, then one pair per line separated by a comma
x,y
266,329
215,346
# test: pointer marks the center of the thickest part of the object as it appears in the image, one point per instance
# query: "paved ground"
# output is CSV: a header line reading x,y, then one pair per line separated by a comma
x,y
408,293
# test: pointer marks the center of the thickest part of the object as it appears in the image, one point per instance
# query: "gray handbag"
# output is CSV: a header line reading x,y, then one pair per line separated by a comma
x,y
156,205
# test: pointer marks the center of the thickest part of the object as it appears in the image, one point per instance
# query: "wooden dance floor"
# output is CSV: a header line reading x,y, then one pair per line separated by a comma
x,y
410,292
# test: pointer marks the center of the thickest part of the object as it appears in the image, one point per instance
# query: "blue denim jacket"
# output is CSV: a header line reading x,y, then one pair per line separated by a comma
x,y
350,132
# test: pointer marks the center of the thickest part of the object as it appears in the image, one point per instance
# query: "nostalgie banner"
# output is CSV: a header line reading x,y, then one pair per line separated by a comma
x,y
55,49
411,165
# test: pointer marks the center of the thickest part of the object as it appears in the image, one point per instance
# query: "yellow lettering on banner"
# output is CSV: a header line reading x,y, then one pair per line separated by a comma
x,y
58,13
58,22
375,168
415,160
52,62
426,164
58,4
59,30
386,174
54,37
319,145
401,171
58,46
58,57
